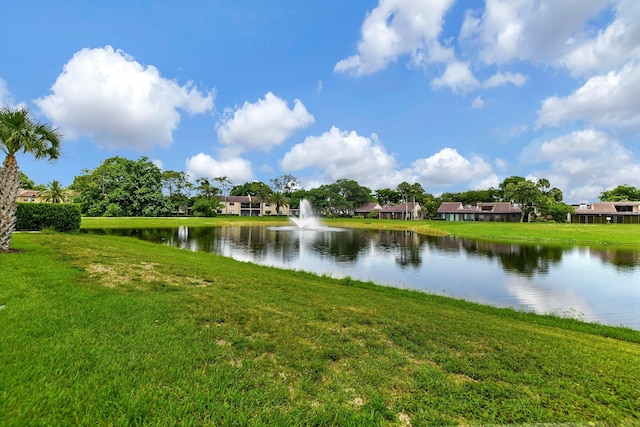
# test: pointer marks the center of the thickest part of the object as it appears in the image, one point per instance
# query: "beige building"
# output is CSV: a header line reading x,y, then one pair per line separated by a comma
x,y
249,206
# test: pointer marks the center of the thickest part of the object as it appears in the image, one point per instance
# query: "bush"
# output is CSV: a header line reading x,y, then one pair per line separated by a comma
x,y
58,217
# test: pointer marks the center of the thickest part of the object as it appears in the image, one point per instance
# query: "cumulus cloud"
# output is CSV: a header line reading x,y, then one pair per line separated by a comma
x,y
105,94
501,79
586,162
338,154
477,103
555,32
610,100
613,46
448,167
528,29
395,28
456,76
261,125
203,165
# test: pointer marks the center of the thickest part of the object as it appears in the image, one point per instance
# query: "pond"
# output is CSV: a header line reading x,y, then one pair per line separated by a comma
x,y
591,284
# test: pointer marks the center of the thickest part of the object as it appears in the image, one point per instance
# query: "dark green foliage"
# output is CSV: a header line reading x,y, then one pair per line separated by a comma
x,y
122,187
620,193
38,216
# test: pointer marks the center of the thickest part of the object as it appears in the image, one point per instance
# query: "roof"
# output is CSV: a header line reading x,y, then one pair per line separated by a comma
x,y
368,207
402,207
495,207
27,193
603,207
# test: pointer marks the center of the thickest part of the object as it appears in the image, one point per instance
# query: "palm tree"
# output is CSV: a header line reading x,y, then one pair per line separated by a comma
x,y
55,193
278,199
19,133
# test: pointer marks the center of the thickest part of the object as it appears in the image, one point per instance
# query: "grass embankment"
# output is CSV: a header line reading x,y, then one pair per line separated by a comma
x,y
596,235
108,330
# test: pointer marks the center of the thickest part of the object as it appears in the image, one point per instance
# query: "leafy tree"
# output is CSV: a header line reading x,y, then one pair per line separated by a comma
x,y
620,193
404,188
318,197
122,187
353,193
178,188
224,184
25,182
207,202
55,193
285,184
387,196
256,189
522,191
19,133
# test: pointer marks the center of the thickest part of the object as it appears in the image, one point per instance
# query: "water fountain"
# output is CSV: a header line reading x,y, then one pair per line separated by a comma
x,y
307,220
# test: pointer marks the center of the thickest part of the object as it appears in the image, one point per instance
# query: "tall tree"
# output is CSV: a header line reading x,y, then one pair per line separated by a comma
x,y
122,187
55,193
387,196
207,202
178,188
20,134
286,183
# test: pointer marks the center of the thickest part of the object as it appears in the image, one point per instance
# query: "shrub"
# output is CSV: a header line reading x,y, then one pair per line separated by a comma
x,y
37,216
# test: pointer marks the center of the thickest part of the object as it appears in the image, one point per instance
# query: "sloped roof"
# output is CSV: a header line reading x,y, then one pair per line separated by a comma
x,y
402,207
27,193
496,207
368,207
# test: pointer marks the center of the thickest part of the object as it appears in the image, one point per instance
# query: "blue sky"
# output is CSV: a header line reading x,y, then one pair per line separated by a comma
x,y
453,95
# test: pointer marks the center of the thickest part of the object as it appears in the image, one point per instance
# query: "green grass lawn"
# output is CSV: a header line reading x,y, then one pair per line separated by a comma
x,y
115,331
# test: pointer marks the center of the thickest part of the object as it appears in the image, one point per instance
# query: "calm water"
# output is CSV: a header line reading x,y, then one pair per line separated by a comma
x,y
594,285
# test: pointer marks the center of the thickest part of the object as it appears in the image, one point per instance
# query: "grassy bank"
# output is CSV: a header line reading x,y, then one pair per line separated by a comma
x,y
118,331
598,235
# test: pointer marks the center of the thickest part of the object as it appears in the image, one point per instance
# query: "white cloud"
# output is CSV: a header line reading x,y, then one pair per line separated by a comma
x,y
341,154
613,46
238,170
105,94
554,32
395,28
537,30
477,103
584,163
610,100
456,76
500,79
448,167
6,100
262,125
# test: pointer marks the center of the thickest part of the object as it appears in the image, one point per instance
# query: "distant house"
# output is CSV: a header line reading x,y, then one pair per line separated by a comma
x,y
27,196
249,206
607,212
482,211
366,209
401,211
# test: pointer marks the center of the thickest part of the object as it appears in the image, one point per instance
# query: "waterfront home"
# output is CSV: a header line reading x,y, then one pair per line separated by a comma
x,y
607,213
481,211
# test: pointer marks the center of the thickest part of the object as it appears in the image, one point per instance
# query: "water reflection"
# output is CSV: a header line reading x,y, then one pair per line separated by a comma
x,y
592,284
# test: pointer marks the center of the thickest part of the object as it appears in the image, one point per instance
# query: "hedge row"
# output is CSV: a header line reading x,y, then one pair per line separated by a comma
x,y
37,216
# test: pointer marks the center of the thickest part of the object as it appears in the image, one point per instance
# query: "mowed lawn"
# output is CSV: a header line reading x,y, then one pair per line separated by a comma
x,y
115,331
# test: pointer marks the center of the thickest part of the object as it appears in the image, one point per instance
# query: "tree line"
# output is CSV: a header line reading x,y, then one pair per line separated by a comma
x,y
124,187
